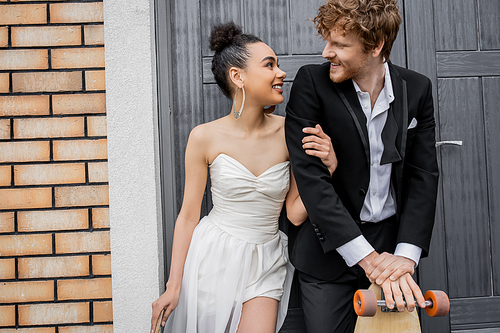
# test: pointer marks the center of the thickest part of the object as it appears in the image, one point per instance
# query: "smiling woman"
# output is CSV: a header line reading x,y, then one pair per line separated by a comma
x,y
230,271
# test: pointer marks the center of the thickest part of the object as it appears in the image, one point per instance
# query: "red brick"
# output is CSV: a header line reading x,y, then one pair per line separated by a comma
x,y
8,316
96,195
46,36
50,314
36,105
87,329
23,245
7,222
79,103
4,84
47,81
4,36
33,268
94,34
103,312
100,217
4,129
35,128
77,58
14,198
77,150
53,220
79,242
24,151
84,289
98,172
96,126
95,80
5,172
7,269
45,174
101,264
23,14
32,291
76,12
24,59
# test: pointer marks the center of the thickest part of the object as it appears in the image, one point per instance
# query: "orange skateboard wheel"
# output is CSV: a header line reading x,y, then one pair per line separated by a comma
x,y
365,303
440,303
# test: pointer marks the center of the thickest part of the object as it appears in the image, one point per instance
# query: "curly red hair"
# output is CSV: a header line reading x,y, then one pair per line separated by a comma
x,y
373,21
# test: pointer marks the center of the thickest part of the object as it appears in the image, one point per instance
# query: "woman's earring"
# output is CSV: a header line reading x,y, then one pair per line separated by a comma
x,y
238,114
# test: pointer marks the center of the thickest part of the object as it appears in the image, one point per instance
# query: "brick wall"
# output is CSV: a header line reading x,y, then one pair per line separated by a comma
x,y
55,272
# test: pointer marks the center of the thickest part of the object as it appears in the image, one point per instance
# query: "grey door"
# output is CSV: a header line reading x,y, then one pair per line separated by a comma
x,y
456,43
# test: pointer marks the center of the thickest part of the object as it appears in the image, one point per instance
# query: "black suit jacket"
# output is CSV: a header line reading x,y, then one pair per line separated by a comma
x,y
334,205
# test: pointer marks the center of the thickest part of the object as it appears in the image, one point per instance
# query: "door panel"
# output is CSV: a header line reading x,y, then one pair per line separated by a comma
x,y
489,13
304,34
463,173
268,19
456,28
457,46
491,87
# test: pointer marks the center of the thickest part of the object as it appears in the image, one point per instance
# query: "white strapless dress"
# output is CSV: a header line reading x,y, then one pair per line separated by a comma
x,y
237,252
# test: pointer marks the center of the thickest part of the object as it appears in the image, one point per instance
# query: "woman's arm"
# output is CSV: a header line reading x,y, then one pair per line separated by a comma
x,y
316,144
295,210
195,181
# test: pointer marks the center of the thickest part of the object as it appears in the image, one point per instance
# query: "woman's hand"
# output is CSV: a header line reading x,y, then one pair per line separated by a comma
x,y
168,301
320,145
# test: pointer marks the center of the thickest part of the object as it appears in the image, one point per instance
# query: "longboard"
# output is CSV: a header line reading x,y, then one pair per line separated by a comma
x,y
374,317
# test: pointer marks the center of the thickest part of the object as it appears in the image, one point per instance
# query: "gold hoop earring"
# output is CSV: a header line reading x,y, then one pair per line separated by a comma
x,y
237,114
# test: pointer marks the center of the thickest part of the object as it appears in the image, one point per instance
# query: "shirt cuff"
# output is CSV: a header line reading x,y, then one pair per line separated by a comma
x,y
355,250
409,251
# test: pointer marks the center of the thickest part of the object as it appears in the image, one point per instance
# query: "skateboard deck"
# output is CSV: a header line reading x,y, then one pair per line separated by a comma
x,y
158,322
374,317
383,322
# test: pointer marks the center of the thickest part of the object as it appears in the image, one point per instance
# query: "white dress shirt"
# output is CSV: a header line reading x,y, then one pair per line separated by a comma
x,y
379,202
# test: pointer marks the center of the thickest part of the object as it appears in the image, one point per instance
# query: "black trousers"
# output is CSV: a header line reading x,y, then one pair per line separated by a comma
x,y
327,305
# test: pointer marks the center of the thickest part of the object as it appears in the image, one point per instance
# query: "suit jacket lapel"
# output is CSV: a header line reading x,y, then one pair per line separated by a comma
x,y
350,99
399,110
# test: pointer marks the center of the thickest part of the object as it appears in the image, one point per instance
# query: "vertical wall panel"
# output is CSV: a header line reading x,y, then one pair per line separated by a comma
x,y
304,38
456,27
419,19
489,24
491,97
463,175
398,52
187,107
268,19
215,12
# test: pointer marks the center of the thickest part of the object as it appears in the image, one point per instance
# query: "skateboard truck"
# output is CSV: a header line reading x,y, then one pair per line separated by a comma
x,y
437,303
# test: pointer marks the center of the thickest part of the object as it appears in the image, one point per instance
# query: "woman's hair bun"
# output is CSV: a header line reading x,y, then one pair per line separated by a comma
x,y
224,35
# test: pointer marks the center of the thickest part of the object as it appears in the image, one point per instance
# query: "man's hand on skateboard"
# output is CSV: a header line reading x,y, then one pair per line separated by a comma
x,y
394,275
401,290
387,265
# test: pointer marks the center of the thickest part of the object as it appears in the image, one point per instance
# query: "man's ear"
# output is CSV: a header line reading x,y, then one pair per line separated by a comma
x,y
235,74
378,49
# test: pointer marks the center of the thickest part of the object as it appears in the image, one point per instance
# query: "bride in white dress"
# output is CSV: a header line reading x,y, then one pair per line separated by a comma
x,y
230,272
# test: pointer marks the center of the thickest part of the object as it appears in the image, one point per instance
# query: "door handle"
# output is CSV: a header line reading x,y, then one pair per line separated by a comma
x,y
448,143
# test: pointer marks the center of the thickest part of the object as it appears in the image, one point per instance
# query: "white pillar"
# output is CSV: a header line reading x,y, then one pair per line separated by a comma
x,y
134,177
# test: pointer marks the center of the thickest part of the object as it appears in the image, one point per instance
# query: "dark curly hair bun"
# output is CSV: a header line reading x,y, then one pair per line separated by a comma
x,y
230,46
224,35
